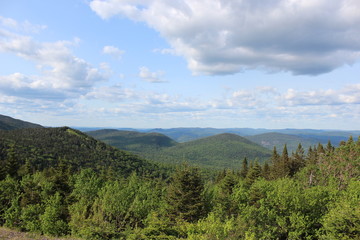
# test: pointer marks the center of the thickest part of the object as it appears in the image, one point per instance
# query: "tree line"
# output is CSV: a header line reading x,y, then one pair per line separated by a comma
x,y
312,195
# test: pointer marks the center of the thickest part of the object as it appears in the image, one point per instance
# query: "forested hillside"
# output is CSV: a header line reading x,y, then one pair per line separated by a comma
x,y
219,151
215,152
292,196
41,148
313,135
9,123
278,140
133,141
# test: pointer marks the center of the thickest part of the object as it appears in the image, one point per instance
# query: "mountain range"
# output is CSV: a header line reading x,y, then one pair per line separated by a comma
x,y
206,147
224,150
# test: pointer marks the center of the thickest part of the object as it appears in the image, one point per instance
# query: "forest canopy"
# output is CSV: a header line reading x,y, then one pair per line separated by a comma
x,y
62,182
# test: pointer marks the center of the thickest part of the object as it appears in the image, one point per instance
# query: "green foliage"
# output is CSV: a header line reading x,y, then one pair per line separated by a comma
x,y
52,147
133,141
30,217
103,193
9,193
220,151
8,123
278,140
343,219
52,220
185,195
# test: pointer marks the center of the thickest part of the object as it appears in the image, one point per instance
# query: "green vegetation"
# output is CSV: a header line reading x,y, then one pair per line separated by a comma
x,y
216,152
36,149
271,140
133,141
8,123
61,182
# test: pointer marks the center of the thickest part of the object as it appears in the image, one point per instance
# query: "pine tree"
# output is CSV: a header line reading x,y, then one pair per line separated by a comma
x,y
284,163
297,160
266,171
11,163
185,195
329,148
244,168
253,174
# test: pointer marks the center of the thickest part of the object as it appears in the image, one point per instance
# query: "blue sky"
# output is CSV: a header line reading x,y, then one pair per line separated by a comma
x,y
181,63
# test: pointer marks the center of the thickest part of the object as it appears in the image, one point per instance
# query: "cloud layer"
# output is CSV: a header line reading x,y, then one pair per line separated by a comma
x,y
223,36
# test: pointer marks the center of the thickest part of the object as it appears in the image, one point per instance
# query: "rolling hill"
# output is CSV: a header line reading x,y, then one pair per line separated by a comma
x,y
269,140
45,147
9,123
312,135
133,141
218,151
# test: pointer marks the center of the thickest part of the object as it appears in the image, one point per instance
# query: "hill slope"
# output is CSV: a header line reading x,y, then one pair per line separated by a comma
x,y
219,151
133,141
45,147
9,123
269,140
316,136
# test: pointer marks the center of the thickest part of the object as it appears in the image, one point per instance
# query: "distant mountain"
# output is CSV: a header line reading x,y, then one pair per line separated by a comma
x,y
45,147
9,123
219,151
269,140
312,135
133,141
189,134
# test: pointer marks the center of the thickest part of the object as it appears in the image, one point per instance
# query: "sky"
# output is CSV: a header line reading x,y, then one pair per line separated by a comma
x,y
181,63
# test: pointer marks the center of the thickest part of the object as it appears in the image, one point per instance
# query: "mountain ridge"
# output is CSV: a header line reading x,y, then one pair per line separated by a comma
x,y
9,123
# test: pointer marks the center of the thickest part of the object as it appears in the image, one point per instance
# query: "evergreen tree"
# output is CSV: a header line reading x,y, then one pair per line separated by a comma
x,y
11,163
244,168
52,221
225,190
253,174
274,160
285,163
297,160
329,148
266,171
185,195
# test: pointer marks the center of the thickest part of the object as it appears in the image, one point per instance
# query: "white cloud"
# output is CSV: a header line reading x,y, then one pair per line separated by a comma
x,y
347,96
154,77
114,93
25,26
62,74
113,51
224,37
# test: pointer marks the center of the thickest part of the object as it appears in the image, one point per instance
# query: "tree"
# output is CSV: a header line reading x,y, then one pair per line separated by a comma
x,y
185,195
297,160
343,219
11,163
244,168
253,174
223,194
52,221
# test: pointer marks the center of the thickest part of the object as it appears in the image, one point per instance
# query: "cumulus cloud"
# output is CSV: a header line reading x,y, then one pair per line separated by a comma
x,y
113,51
224,37
154,77
62,74
25,26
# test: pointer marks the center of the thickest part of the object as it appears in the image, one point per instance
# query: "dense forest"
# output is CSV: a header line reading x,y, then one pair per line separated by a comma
x,y
60,181
219,151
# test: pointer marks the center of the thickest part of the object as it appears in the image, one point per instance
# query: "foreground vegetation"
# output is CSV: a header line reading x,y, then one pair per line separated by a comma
x,y
294,196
